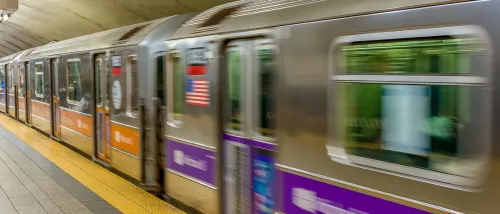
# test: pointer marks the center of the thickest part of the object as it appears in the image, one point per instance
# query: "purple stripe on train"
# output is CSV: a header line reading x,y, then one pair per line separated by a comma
x,y
251,143
304,195
195,162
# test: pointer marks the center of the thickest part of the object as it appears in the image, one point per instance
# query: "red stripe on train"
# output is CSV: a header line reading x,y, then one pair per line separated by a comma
x,y
116,70
197,70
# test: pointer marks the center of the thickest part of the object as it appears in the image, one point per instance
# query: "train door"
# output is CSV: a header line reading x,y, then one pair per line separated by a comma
x,y
102,139
21,92
55,101
248,138
28,91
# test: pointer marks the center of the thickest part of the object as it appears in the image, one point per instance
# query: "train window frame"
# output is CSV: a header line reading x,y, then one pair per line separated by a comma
x,y
129,88
79,61
258,45
172,119
336,139
37,76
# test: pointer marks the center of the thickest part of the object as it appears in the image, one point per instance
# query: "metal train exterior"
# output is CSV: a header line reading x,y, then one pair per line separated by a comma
x,y
282,106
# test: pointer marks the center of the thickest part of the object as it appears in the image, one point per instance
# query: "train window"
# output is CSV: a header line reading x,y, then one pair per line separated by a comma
x,y
176,81
406,124
39,80
22,86
266,67
11,79
132,86
235,67
160,79
2,78
74,82
98,75
426,56
424,121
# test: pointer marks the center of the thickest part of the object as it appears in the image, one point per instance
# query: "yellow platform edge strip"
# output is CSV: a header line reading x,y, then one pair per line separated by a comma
x,y
123,195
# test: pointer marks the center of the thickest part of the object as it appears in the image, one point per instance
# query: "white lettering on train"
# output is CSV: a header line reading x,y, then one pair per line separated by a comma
x,y
183,159
120,138
309,201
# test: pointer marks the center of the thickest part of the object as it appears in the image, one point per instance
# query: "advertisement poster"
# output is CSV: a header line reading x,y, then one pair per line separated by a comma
x,y
263,177
237,178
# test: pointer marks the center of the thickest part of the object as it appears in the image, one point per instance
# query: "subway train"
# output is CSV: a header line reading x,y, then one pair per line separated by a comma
x,y
292,106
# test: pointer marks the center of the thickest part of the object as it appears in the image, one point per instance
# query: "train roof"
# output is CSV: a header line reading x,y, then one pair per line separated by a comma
x,y
256,14
123,36
9,58
15,56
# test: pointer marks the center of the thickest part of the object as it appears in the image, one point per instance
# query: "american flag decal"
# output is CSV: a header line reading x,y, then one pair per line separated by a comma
x,y
198,92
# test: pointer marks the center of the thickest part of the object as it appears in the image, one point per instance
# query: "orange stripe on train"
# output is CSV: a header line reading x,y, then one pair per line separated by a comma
x,y
77,122
125,139
40,110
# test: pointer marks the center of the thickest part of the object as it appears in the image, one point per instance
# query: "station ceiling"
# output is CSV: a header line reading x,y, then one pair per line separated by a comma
x,y
38,22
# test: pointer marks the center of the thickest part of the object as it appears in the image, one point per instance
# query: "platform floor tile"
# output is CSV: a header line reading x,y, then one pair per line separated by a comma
x,y
39,175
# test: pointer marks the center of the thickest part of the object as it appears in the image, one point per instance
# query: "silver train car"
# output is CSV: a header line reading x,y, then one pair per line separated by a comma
x,y
292,106
69,86
12,80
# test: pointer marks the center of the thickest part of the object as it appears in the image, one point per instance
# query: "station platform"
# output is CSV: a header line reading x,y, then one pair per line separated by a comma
x,y
39,175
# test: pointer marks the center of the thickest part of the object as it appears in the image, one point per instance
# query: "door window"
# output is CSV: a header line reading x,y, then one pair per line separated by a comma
x,y
160,79
98,74
132,86
176,85
235,67
266,103
74,82
11,79
55,74
39,80
22,85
